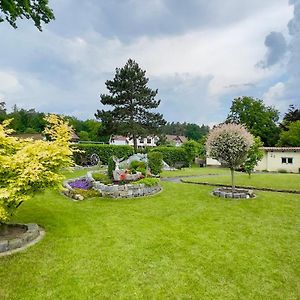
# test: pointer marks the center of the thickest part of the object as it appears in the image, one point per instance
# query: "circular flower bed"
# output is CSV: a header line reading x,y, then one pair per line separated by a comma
x,y
14,237
237,194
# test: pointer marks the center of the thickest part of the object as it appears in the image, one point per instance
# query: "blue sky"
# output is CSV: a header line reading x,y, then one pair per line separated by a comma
x,y
199,55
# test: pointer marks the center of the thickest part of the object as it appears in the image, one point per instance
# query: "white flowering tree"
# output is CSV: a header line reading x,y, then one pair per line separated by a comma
x,y
229,144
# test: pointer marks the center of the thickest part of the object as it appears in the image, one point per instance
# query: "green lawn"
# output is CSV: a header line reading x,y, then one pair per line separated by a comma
x,y
274,181
180,244
195,171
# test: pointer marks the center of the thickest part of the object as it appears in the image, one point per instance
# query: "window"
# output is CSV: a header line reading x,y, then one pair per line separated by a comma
x,y
141,141
286,160
148,141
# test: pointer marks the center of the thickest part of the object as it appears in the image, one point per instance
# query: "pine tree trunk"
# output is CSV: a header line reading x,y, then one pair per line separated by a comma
x,y
232,181
135,143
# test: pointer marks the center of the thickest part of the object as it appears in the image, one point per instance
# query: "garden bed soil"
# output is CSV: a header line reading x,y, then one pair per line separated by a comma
x,y
12,231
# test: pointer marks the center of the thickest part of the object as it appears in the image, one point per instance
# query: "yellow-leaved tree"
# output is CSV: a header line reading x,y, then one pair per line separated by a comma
x,y
28,166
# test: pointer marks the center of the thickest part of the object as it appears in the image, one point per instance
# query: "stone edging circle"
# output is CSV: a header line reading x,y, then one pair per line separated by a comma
x,y
239,193
31,236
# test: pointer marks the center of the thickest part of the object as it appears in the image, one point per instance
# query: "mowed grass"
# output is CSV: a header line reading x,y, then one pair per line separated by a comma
x,y
195,171
274,181
180,244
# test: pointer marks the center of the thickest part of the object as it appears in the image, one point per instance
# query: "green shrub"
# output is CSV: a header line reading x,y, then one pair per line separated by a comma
x,y
173,156
282,171
148,181
101,177
138,166
91,193
192,148
155,162
103,151
110,167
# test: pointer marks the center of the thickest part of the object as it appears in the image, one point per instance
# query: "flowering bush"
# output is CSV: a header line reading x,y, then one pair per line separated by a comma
x,y
28,166
81,184
229,144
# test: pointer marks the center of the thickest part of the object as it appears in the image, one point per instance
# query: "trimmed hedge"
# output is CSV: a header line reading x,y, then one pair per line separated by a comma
x,y
103,151
173,156
155,162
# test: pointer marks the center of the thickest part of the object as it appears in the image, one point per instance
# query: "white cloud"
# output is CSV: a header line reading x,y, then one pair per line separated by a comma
x,y
275,96
192,69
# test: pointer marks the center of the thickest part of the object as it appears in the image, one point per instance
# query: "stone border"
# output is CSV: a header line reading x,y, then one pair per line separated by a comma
x,y
123,191
239,193
112,190
31,236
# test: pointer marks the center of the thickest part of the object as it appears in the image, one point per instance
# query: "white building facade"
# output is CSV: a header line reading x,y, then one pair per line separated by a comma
x,y
280,158
275,159
149,141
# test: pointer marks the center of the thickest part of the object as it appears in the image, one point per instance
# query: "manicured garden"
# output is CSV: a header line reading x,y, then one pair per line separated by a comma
x,y
181,243
260,180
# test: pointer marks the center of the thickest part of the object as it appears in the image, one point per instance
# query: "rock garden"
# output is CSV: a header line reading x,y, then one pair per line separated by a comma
x,y
135,177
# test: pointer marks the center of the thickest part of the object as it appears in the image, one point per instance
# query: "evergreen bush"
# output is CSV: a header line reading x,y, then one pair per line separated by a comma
x,y
173,156
155,162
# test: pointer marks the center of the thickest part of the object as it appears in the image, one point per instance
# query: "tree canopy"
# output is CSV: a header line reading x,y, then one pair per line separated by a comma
x,y
290,137
36,10
190,130
260,120
28,166
292,115
229,144
132,101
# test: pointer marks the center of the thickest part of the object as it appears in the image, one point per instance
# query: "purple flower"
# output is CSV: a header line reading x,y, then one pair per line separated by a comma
x,y
81,184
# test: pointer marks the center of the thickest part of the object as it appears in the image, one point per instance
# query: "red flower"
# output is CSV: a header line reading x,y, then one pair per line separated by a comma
x,y
122,176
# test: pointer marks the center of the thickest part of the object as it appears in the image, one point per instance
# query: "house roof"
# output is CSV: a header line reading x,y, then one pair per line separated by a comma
x,y
40,136
281,149
34,136
118,138
74,136
176,138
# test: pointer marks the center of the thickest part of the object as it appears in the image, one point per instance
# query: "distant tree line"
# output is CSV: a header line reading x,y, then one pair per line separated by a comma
x,y
190,130
261,120
30,121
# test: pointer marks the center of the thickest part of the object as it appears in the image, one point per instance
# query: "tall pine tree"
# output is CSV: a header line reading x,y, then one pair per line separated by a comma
x,y
132,103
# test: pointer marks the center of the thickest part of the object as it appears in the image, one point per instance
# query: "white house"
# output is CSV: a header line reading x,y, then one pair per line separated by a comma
x,y
149,141
275,159
118,140
176,140
280,158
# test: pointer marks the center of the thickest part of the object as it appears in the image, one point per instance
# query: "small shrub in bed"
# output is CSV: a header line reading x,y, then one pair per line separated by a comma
x,y
138,166
102,178
155,162
110,167
91,193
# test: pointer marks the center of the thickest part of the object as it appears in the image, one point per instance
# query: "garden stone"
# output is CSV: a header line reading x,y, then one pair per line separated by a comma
x,y
15,243
3,246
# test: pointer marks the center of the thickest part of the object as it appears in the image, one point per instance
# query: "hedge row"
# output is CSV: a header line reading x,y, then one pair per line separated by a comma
x,y
174,156
103,151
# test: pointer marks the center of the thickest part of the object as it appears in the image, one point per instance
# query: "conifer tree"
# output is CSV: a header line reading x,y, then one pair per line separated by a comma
x,y
132,102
